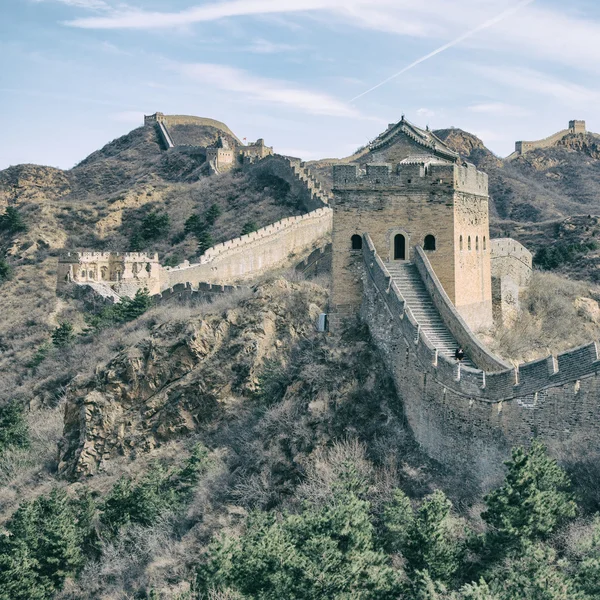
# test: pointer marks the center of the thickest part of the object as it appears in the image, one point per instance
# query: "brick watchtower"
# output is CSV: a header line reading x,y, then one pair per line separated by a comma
x,y
427,199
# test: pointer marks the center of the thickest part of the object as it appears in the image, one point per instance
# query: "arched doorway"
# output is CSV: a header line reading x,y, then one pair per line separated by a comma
x,y
399,247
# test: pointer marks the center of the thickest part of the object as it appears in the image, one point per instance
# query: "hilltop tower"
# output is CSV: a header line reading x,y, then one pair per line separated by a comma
x,y
428,198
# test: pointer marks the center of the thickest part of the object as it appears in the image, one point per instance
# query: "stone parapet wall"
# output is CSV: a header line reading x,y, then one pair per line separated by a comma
x,y
511,259
469,418
252,255
412,177
480,355
575,127
302,182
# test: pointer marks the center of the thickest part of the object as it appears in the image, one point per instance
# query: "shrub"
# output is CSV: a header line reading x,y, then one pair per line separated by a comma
x,y
552,257
157,492
43,548
13,427
195,225
154,226
40,356
205,241
532,503
63,335
249,227
324,552
212,214
126,310
5,270
12,222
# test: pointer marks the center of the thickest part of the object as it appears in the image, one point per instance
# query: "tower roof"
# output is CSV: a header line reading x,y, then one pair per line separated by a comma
x,y
422,137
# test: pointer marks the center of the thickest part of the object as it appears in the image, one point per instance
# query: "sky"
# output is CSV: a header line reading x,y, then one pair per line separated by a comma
x,y
314,78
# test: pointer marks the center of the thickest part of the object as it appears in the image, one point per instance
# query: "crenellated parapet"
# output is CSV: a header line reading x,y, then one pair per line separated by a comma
x,y
576,127
412,175
470,418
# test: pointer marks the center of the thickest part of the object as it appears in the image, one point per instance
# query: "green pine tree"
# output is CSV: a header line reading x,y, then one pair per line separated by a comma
x,y
195,225
324,552
12,222
43,548
533,502
5,270
212,214
14,431
249,227
63,335
205,241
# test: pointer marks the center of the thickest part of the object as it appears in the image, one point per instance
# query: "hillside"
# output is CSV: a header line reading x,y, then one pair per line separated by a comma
x,y
230,451
131,194
550,183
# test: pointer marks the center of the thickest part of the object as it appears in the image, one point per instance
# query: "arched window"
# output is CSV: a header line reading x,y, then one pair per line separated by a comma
x,y
469,243
356,242
461,243
484,247
429,243
477,243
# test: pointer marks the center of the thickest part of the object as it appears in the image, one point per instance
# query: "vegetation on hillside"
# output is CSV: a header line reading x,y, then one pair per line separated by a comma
x,y
555,315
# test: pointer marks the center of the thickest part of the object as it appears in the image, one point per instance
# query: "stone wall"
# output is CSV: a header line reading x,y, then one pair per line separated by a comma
x,y
252,255
480,355
510,258
304,186
467,418
512,267
415,200
575,127
124,272
172,120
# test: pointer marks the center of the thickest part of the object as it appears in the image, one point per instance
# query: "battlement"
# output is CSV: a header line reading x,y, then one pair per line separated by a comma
x,y
90,256
412,174
220,250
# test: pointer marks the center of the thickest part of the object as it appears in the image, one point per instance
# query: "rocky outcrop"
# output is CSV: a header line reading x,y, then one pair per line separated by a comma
x,y
469,146
186,374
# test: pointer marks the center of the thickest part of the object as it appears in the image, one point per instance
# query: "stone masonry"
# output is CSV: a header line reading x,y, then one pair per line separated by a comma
x,y
469,418
431,201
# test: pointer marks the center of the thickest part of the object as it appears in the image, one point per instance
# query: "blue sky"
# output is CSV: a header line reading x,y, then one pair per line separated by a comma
x,y
75,74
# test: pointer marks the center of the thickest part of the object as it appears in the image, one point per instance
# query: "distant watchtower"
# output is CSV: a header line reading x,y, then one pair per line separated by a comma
x,y
427,199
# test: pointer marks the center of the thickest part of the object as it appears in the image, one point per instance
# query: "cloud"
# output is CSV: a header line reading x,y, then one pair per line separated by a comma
x,y
139,19
270,91
87,4
499,109
534,82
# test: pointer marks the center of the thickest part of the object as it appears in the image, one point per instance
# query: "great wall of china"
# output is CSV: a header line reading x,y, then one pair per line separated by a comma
x,y
575,128
466,414
469,417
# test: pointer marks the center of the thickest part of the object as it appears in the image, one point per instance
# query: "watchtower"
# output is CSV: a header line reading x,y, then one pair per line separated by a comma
x,y
430,201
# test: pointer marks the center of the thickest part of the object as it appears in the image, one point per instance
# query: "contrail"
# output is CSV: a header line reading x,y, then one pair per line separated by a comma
x,y
458,40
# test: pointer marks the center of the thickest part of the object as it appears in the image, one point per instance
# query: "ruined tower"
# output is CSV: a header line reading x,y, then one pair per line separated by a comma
x,y
413,191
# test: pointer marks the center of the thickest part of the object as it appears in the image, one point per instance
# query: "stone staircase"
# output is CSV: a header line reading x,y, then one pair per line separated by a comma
x,y
302,173
411,286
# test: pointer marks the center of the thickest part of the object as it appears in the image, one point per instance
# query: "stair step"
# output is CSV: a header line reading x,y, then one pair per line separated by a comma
x,y
419,302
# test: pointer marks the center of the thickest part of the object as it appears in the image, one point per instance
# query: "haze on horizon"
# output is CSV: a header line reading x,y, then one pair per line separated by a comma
x,y
79,73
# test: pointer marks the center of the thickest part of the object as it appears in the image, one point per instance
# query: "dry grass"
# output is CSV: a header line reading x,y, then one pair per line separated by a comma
x,y
549,322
